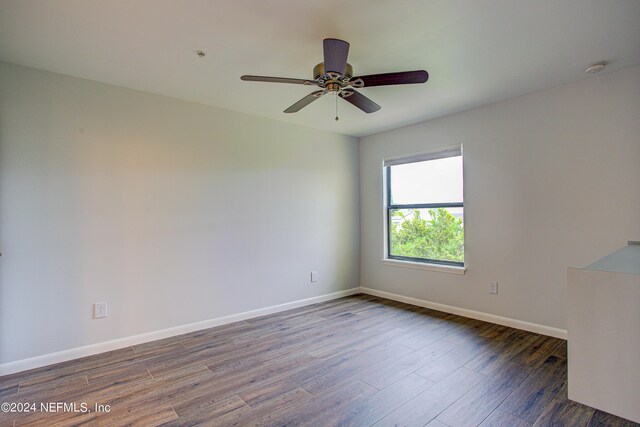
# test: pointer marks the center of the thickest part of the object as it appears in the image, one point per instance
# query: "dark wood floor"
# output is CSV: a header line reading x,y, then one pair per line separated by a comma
x,y
354,361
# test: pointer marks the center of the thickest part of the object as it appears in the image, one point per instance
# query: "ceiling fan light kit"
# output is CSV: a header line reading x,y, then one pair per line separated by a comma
x,y
335,75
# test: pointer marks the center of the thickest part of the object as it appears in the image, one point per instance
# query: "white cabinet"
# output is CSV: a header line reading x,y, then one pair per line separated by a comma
x,y
603,313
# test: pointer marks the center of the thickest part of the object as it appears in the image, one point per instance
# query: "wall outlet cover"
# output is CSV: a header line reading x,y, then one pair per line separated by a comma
x,y
493,287
99,310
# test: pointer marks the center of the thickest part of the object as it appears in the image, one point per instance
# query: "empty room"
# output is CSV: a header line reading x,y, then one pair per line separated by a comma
x,y
287,213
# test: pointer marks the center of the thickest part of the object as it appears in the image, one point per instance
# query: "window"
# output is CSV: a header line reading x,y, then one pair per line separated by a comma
x,y
424,208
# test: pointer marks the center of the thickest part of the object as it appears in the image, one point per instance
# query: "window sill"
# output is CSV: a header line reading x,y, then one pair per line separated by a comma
x,y
451,269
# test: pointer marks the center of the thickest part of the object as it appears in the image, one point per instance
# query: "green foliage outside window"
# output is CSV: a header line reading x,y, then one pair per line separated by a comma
x,y
439,238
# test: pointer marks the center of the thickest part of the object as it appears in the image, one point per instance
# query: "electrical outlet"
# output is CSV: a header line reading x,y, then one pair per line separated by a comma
x,y
493,287
99,310
314,276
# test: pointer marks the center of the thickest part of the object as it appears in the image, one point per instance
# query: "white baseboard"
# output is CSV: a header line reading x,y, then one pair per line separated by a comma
x,y
88,350
492,318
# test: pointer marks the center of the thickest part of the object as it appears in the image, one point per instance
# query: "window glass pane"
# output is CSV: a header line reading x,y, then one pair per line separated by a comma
x,y
434,234
431,181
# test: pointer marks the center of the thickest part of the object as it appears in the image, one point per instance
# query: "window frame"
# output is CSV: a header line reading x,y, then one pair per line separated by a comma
x,y
446,153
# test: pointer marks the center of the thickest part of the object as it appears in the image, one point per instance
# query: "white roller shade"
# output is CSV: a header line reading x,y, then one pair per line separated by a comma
x,y
440,154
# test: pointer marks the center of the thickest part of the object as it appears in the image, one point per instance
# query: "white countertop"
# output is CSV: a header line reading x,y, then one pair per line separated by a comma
x,y
625,260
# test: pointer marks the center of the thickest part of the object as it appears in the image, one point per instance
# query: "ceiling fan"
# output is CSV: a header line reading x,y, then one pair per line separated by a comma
x,y
336,75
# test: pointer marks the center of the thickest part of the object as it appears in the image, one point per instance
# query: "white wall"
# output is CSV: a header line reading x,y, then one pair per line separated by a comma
x,y
552,179
172,212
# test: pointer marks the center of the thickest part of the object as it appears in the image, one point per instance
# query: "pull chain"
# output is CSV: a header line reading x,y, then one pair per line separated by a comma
x,y
337,106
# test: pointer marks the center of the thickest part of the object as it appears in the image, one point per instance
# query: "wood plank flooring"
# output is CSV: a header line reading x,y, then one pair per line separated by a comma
x,y
356,361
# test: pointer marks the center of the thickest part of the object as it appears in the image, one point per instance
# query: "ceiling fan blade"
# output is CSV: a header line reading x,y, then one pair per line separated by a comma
x,y
359,100
278,80
400,78
335,55
305,101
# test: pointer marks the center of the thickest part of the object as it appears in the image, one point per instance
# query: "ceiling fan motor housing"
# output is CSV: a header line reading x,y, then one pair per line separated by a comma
x,y
331,81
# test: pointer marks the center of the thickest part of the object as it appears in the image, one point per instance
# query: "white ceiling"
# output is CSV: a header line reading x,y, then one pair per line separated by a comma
x,y
476,51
